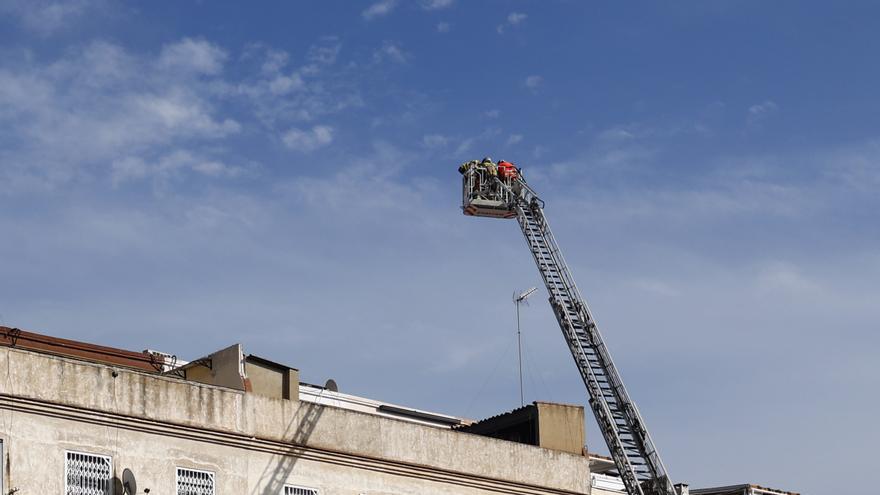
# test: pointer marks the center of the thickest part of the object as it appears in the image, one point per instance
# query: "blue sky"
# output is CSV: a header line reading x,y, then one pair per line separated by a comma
x,y
183,175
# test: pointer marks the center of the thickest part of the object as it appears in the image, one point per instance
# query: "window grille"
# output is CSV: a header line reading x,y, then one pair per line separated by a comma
x,y
298,490
87,474
194,482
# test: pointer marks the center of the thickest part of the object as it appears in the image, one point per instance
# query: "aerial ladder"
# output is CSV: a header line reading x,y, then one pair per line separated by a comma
x,y
500,191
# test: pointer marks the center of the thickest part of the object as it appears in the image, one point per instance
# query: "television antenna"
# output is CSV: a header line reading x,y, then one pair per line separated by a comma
x,y
517,300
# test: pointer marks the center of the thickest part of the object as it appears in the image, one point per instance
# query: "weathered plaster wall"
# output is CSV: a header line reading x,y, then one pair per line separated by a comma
x,y
561,427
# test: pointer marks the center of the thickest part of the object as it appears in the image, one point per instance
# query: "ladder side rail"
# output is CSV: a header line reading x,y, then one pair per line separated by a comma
x,y
588,320
648,451
601,409
630,407
660,475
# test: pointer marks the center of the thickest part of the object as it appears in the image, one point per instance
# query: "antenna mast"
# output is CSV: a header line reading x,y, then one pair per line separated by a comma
x,y
517,299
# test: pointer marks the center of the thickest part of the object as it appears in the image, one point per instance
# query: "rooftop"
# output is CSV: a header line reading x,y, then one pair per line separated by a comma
x,y
257,375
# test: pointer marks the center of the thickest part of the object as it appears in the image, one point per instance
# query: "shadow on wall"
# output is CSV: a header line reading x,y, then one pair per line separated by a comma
x,y
306,418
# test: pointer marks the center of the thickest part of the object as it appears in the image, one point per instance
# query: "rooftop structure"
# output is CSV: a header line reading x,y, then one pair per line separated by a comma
x,y
545,424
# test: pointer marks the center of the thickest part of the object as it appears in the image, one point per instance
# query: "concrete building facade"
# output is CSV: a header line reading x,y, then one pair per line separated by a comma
x,y
105,422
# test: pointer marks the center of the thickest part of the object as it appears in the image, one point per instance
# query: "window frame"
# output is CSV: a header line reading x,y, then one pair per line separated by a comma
x,y
107,458
313,491
178,469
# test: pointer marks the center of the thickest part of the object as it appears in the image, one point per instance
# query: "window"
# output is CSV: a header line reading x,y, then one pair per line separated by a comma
x,y
298,490
87,474
194,482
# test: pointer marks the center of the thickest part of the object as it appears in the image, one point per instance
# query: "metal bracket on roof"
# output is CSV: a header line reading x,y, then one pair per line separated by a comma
x,y
13,334
181,371
156,363
206,362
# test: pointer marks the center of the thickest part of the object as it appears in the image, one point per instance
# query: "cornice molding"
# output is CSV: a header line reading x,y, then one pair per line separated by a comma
x,y
201,434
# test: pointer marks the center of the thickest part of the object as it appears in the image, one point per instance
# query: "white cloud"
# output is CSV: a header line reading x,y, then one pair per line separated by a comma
x,y
855,167
436,4
92,113
785,279
325,52
443,27
48,17
188,54
760,111
129,168
617,133
275,61
379,9
515,18
465,146
762,108
656,287
213,168
179,113
390,51
435,140
281,85
492,114
514,139
280,95
168,167
532,82
639,131
308,140
100,64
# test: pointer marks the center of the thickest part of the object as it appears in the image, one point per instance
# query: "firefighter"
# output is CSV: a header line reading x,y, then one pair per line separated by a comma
x,y
507,170
464,167
490,166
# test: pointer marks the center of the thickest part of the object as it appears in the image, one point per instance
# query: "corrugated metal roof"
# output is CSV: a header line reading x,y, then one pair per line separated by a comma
x,y
143,361
519,411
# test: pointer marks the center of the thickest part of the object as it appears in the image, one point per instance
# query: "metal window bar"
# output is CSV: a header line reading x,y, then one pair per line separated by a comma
x,y
87,474
299,490
479,183
194,482
2,468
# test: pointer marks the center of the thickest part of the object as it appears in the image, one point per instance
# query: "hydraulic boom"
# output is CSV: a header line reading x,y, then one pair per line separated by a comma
x,y
502,193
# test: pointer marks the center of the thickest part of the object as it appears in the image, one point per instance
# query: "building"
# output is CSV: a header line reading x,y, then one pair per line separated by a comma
x,y
747,489
83,419
78,418
604,481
